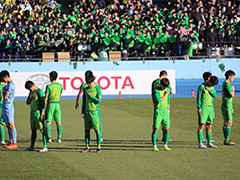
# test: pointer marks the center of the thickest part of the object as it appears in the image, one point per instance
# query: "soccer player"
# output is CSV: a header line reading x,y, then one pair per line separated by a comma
x,y
227,106
91,97
8,109
2,131
89,73
161,113
206,93
36,100
53,110
157,82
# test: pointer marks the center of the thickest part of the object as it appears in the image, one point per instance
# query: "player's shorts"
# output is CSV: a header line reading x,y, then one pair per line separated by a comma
x,y
35,122
161,116
1,119
207,115
227,112
91,120
53,111
8,113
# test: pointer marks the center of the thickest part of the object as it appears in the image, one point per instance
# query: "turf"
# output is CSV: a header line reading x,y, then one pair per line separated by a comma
x,y
127,149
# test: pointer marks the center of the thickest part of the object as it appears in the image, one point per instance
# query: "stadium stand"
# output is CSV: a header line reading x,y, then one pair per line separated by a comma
x,y
88,28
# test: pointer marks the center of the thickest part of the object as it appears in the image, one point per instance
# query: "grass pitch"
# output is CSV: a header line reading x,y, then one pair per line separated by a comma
x,y
127,149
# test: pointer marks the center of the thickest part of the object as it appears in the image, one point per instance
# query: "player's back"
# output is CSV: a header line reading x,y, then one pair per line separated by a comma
x,y
9,88
54,90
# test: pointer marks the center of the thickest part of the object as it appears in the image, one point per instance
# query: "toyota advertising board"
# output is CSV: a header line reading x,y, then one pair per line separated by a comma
x,y
111,82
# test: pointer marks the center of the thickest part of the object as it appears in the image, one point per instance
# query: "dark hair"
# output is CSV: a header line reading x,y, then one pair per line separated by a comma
x,y
206,75
229,73
163,72
53,75
90,79
28,84
214,80
165,82
4,73
88,73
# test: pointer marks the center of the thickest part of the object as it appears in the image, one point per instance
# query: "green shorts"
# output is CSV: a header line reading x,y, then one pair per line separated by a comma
x,y
207,115
1,119
161,116
53,111
227,112
91,120
35,122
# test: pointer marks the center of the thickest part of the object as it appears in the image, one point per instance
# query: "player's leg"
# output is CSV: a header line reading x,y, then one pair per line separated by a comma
x,y
100,123
202,119
95,126
2,131
156,124
57,117
166,127
44,136
87,126
209,127
49,117
228,118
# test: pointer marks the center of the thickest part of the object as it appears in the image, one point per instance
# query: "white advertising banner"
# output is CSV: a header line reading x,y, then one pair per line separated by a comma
x,y
111,82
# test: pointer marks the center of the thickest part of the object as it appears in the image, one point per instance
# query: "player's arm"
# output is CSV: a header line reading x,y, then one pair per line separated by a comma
x,y
8,92
98,98
170,88
29,99
199,99
83,104
46,94
41,104
78,98
6,96
230,90
213,92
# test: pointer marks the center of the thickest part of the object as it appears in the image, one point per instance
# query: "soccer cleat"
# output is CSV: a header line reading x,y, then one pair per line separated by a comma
x,y
10,143
43,149
155,149
11,146
49,140
167,148
202,146
86,150
59,140
30,149
98,150
3,142
210,145
229,143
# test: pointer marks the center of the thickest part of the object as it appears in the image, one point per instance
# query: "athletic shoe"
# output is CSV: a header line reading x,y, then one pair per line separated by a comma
x,y
210,145
155,149
3,142
229,143
86,150
30,149
49,140
167,148
11,146
202,146
98,150
10,143
59,140
44,150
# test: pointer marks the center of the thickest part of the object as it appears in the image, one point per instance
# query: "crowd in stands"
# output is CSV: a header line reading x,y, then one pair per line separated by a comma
x,y
30,27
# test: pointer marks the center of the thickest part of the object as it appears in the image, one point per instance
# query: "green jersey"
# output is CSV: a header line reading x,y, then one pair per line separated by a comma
x,y
155,91
37,103
91,101
1,95
84,85
226,89
54,90
204,97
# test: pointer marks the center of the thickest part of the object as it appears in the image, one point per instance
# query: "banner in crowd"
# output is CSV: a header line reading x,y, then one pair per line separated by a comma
x,y
111,82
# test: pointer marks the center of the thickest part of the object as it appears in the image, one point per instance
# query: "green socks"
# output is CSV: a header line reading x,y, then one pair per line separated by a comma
x,y
33,139
227,132
209,137
49,129
101,129
154,137
200,137
59,129
2,133
166,136
44,140
87,138
98,134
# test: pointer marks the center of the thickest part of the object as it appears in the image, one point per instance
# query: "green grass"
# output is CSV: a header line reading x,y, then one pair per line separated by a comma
x,y
127,149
